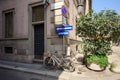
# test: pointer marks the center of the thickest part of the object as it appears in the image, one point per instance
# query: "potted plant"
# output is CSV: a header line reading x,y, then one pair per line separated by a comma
x,y
97,30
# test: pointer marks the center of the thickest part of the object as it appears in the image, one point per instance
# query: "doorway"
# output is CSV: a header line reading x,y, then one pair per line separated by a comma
x,y
39,41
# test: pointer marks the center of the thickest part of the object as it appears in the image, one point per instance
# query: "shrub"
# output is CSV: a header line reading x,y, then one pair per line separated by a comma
x,y
99,59
97,30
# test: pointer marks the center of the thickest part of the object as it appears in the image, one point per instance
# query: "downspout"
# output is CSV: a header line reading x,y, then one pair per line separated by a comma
x,y
88,6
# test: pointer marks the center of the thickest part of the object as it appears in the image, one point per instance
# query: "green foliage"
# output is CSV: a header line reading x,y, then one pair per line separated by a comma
x,y
99,25
97,30
100,59
97,46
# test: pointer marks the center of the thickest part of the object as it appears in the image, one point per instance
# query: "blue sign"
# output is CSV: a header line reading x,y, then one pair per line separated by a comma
x,y
64,33
68,27
59,28
63,28
64,11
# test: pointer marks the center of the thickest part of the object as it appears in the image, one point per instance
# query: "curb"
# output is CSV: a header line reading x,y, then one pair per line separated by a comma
x,y
33,71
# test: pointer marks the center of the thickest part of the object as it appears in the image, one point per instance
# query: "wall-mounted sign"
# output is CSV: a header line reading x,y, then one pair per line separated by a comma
x,y
56,5
59,28
64,33
64,11
64,20
63,28
68,27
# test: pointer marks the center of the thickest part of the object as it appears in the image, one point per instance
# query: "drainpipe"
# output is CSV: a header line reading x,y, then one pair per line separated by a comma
x,y
88,6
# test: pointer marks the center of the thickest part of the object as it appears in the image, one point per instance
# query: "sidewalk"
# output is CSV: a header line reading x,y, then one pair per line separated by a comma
x,y
62,75
38,69
115,59
30,68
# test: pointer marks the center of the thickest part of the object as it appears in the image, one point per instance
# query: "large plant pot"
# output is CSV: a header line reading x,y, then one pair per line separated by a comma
x,y
94,66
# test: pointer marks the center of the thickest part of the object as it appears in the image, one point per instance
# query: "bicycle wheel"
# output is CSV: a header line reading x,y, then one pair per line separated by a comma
x,y
69,67
48,62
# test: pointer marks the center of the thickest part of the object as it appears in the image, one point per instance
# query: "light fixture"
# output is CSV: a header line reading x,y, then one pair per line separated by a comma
x,y
46,2
80,2
80,6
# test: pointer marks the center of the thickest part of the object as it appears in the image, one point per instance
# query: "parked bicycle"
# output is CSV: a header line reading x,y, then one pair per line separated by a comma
x,y
61,63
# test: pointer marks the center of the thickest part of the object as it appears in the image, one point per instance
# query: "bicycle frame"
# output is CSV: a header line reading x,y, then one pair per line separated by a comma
x,y
62,62
55,60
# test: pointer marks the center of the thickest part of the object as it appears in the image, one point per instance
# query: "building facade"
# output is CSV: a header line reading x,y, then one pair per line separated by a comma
x,y
27,27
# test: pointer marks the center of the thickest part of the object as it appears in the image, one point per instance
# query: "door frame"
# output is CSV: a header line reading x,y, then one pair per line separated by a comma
x,y
31,28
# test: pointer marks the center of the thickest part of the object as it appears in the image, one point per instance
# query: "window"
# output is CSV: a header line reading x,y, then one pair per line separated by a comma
x,y
8,50
38,13
8,24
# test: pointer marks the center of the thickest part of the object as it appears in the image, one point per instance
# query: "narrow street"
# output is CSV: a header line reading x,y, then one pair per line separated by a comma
x,y
7,74
21,71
